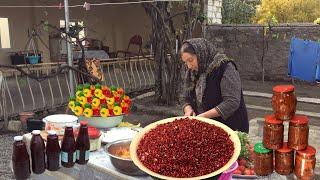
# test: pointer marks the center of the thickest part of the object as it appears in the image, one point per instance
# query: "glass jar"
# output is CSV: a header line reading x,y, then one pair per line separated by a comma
x,y
272,132
284,102
305,163
298,133
284,159
263,160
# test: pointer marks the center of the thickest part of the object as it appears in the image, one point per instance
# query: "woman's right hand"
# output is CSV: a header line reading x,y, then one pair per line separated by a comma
x,y
188,111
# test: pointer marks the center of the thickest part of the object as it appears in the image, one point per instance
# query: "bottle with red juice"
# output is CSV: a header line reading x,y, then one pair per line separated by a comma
x,y
37,149
53,151
68,148
20,159
83,144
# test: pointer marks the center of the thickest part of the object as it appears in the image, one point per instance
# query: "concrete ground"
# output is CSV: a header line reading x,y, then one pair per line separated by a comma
x,y
148,111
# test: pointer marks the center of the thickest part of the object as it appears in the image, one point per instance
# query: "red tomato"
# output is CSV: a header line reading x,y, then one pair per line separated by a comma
x,y
241,168
242,162
247,172
237,171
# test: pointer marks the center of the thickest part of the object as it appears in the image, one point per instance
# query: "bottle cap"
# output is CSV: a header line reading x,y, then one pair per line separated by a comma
x,y
69,125
18,138
36,132
52,132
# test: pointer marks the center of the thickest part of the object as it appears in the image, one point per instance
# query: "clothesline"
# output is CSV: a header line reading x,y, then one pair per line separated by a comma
x,y
79,5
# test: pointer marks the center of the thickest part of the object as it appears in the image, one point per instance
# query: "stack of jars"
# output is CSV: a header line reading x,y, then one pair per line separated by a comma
x,y
294,155
50,156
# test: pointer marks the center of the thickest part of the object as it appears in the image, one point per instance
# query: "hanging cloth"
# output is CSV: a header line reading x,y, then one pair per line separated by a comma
x,y
304,60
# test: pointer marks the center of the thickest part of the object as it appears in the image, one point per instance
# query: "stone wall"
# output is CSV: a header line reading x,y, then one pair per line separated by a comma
x,y
248,45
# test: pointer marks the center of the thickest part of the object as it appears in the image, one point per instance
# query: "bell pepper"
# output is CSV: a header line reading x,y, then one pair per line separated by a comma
x,y
97,86
78,110
117,110
120,91
87,112
96,112
71,105
86,86
98,93
83,100
110,101
87,93
95,102
104,112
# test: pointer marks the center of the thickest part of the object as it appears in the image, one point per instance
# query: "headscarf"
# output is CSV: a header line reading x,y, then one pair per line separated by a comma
x,y
208,60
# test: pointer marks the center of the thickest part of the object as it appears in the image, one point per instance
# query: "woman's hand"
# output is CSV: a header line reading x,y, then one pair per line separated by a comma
x,y
188,111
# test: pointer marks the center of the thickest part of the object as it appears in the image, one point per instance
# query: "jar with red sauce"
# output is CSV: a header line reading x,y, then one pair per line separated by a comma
x,y
298,133
305,163
263,160
272,132
284,159
284,102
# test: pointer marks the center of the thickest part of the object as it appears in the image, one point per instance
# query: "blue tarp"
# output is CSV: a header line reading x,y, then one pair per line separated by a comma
x,y
304,60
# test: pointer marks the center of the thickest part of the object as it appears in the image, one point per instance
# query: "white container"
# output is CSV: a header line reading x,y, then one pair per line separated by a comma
x,y
102,122
58,122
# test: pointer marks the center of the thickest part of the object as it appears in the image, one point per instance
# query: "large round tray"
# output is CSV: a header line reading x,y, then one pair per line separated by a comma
x,y
139,136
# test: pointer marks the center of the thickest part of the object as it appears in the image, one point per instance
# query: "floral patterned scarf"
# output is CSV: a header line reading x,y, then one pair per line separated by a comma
x,y
208,60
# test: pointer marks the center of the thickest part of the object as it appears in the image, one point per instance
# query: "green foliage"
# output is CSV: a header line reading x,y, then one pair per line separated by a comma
x,y
287,11
237,12
244,140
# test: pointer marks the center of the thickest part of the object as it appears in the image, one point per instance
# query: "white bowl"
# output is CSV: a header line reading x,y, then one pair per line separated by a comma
x,y
102,122
58,122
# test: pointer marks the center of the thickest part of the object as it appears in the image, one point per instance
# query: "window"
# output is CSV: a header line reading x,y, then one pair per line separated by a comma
x,y
4,33
72,23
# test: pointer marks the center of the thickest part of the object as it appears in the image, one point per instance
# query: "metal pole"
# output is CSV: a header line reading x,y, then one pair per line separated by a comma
x,y
70,59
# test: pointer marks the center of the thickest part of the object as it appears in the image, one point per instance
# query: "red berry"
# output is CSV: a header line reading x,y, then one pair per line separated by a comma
x,y
237,171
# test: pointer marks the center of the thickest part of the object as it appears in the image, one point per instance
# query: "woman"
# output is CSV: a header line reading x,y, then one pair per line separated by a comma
x,y
213,87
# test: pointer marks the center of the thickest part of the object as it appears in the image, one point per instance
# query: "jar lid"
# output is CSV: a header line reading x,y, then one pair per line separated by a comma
x,y
308,152
18,138
259,148
93,132
285,148
36,132
52,132
283,88
272,119
299,119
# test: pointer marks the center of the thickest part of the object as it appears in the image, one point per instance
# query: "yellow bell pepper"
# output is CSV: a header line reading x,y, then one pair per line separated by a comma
x,y
87,92
71,105
88,112
117,110
98,93
78,110
95,102
110,101
104,112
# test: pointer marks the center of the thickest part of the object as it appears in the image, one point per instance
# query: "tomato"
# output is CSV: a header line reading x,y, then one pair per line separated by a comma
x,y
237,171
241,168
242,162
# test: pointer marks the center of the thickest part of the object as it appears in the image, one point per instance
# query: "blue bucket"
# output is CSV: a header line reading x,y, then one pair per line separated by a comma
x,y
33,59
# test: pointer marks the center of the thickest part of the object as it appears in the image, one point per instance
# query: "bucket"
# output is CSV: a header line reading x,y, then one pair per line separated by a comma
x,y
227,175
33,59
